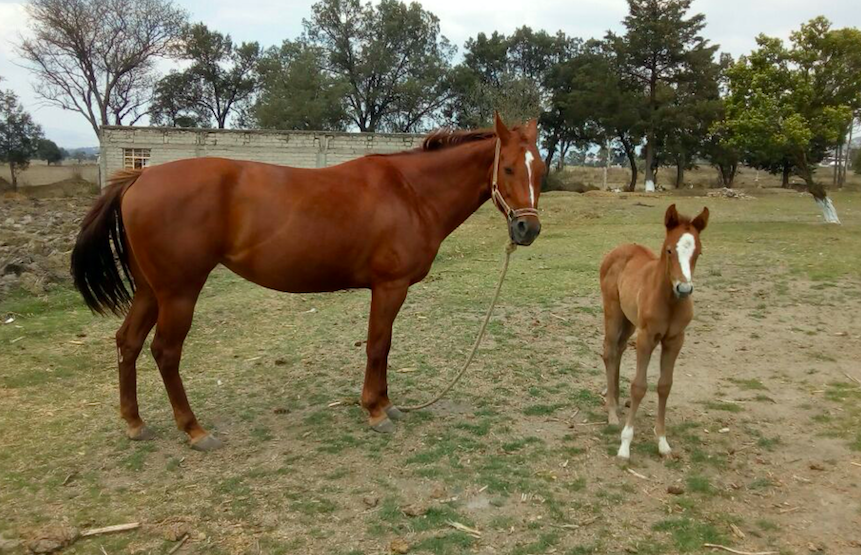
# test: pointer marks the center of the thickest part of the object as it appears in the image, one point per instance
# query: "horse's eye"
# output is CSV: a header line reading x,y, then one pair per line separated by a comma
x,y
669,251
509,171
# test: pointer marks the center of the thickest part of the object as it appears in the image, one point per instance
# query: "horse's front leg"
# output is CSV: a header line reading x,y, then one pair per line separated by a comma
x,y
386,301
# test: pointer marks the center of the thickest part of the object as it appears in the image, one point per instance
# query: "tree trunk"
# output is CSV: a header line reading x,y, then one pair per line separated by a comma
x,y
838,160
14,171
632,160
848,155
680,171
829,213
650,171
548,160
606,163
785,182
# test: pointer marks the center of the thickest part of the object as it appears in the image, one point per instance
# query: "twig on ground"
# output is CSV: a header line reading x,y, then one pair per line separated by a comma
x,y
464,528
637,474
182,540
110,529
737,552
853,378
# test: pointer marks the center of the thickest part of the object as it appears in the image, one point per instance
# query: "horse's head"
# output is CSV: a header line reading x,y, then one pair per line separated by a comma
x,y
682,248
517,174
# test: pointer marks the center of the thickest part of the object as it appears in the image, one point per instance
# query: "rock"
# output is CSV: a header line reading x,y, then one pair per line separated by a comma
x,y
413,510
399,546
53,539
9,546
438,492
371,502
175,531
675,490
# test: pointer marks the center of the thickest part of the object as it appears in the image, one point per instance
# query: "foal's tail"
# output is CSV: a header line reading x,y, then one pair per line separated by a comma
x,y
95,265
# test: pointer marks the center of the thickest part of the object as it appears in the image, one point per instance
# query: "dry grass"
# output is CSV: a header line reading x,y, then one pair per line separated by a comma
x,y
518,452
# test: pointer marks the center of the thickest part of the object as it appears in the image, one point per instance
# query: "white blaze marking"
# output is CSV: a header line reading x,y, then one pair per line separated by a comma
x,y
625,448
685,249
529,159
663,446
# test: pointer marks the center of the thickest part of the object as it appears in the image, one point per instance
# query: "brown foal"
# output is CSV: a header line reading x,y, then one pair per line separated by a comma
x,y
376,222
652,295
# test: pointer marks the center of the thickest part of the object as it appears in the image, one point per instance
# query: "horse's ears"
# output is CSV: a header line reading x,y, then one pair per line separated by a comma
x,y
530,131
671,218
701,221
501,131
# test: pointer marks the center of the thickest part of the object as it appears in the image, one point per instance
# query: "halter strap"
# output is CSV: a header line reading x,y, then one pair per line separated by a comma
x,y
497,197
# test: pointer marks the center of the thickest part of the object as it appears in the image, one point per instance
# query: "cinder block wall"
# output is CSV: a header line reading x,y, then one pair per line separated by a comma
x,y
303,149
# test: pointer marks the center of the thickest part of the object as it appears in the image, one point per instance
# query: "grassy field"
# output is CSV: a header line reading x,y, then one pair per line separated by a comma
x,y
764,416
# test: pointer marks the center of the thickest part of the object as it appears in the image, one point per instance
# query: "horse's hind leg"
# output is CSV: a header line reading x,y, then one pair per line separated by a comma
x,y
174,320
617,331
130,339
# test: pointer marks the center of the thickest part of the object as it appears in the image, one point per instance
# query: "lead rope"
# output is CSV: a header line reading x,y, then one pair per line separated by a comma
x,y
509,248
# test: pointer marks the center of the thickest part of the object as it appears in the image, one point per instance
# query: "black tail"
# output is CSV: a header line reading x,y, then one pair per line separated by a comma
x,y
95,265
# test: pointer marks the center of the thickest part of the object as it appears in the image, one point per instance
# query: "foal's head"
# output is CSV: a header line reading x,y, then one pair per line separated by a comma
x,y
682,248
518,175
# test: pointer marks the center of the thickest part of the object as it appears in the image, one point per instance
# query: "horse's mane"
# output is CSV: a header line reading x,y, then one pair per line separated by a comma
x,y
446,137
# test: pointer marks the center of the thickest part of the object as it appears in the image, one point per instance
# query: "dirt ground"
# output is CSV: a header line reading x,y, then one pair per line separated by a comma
x,y
764,417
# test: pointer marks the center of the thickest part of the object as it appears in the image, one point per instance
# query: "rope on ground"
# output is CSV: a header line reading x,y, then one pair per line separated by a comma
x,y
510,248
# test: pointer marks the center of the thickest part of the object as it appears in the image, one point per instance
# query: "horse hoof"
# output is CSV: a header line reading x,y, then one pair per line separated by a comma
x,y
206,443
394,412
141,434
384,426
613,419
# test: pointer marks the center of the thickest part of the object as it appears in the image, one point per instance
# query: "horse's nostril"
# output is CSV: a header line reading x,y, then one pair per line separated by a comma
x,y
521,226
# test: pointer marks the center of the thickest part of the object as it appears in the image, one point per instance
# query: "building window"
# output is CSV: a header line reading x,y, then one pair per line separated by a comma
x,y
135,158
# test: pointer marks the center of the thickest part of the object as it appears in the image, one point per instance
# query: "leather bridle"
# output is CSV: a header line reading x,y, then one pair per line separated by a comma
x,y
497,197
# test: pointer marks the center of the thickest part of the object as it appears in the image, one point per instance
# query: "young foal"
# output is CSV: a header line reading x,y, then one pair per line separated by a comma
x,y
651,294
375,222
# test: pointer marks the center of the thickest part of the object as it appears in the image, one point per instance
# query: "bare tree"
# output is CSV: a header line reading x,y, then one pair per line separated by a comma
x,y
97,57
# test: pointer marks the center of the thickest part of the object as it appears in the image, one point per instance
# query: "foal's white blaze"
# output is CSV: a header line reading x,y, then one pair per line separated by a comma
x,y
685,249
529,160
627,437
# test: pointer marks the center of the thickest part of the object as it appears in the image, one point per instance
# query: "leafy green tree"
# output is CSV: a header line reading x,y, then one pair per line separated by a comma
x,y
296,92
788,106
597,101
20,136
176,103
511,74
662,51
387,54
49,151
219,82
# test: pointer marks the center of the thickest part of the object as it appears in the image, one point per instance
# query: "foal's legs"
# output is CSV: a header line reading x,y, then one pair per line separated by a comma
x,y
646,343
386,301
617,331
174,321
130,339
670,348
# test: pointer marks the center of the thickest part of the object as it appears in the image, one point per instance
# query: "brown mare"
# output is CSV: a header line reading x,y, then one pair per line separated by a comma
x,y
375,222
651,294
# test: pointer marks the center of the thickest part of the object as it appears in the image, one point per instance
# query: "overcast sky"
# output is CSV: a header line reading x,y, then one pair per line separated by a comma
x,y
732,24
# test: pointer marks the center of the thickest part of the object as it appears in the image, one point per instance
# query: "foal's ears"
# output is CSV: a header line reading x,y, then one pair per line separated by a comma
x,y
671,218
701,221
499,128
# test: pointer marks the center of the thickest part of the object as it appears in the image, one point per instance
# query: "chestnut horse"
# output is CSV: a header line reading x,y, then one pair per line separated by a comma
x,y
376,222
651,294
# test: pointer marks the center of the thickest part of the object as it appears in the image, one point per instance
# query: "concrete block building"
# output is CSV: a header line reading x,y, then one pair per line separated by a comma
x,y
136,147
